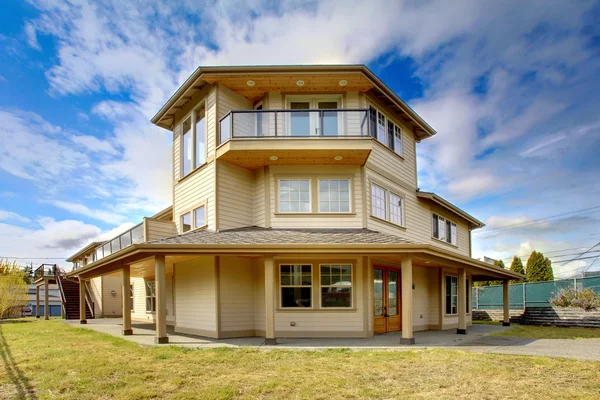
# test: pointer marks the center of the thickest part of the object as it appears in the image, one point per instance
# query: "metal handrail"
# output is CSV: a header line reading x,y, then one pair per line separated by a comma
x,y
121,247
88,299
230,131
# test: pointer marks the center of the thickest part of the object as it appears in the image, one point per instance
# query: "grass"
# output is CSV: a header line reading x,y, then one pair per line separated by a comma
x,y
550,332
50,359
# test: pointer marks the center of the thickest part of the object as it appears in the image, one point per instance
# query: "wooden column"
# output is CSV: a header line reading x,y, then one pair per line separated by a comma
x,y
126,274
506,303
161,300
82,313
37,301
407,302
46,300
462,302
270,301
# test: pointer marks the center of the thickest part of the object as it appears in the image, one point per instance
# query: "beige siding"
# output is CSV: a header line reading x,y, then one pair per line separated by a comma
x,y
111,304
259,297
235,187
426,295
417,216
139,312
236,294
327,322
451,321
195,301
258,201
316,220
157,229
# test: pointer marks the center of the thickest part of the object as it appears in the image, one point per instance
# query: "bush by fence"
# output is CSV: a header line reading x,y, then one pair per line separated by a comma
x,y
534,294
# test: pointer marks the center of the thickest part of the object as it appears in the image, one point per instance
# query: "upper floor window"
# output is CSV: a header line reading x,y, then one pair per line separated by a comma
x,y
294,196
387,205
150,296
186,222
193,219
193,142
444,229
199,217
334,195
390,137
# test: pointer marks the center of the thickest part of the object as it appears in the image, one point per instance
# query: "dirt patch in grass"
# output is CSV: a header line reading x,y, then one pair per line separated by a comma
x,y
60,361
550,332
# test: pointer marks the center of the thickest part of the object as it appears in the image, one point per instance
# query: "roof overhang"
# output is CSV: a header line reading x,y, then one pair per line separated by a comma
x,y
451,207
138,252
83,251
203,76
163,213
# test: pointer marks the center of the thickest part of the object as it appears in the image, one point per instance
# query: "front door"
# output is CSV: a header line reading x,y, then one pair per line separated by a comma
x,y
387,307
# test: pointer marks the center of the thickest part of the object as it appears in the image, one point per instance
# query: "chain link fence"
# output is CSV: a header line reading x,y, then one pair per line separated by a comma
x,y
531,294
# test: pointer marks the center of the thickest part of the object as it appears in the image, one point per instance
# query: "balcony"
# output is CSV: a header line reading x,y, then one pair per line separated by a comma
x,y
255,138
44,271
133,236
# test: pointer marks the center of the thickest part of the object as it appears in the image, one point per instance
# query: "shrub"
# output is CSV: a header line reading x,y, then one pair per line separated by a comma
x,y
585,298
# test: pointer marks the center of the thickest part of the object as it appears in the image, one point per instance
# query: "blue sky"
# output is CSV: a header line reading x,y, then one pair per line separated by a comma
x,y
512,88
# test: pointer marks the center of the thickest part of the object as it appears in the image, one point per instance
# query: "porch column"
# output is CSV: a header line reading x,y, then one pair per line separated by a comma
x,y
46,301
126,273
462,302
37,301
161,300
270,301
82,310
506,303
407,302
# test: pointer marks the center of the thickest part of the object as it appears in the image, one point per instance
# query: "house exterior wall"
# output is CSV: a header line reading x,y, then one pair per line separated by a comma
x,y
112,305
236,295
139,312
96,294
196,300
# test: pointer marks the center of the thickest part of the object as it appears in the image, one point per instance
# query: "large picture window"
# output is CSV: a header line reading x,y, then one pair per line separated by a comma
x,y
150,296
378,207
294,195
336,285
193,142
295,283
451,295
334,195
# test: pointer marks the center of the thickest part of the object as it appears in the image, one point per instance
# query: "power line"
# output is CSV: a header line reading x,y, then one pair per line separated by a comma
x,y
550,252
34,258
534,221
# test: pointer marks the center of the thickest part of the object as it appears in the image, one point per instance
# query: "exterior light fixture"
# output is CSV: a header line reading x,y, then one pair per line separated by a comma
x,y
343,82
338,158
250,83
273,158
300,83
113,293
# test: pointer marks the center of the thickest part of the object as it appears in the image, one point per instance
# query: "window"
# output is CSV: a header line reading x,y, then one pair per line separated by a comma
x,y
294,195
334,195
391,137
396,143
296,285
186,156
131,302
444,230
300,120
451,295
200,138
150,296
372,122
468,292
378,208
381,127
186,223
336,286
396,209
199,217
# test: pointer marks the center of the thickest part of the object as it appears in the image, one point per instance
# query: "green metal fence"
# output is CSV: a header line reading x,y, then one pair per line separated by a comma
x,y
534,294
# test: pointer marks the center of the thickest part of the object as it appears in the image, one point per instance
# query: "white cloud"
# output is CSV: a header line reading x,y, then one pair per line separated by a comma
x,y
100,215
94,144
11,216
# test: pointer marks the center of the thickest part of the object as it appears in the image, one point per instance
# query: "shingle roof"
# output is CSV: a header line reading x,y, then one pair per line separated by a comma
x,y
256,235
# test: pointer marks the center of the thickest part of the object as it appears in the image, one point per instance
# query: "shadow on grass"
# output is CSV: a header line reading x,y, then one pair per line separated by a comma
x,y
24,388
16,321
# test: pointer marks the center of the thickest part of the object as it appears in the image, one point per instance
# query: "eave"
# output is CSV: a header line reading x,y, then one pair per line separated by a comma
x,y
451,207
83,251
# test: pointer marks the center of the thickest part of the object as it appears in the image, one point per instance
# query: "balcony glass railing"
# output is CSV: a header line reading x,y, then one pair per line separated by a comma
x,y
294,124
133,236
44,270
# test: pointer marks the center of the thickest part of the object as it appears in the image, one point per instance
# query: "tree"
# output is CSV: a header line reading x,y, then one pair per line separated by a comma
x,y
539,268
517,266
13,289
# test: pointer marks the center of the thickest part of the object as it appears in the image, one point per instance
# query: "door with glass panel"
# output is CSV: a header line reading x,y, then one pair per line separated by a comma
x,y
386,296
314,123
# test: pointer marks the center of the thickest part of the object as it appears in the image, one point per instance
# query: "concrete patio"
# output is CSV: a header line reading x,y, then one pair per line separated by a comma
x,y
477,340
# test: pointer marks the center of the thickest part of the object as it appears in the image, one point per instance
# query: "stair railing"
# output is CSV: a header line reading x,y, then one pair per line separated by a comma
x,y
59,276
88,299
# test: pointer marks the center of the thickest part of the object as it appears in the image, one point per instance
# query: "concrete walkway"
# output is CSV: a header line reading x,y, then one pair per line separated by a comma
x,y
477,340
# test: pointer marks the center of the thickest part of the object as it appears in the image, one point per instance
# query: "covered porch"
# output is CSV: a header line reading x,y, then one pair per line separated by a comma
x,y
220,286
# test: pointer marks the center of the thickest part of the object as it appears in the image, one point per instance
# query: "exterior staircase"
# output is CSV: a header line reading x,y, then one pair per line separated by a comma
x,y
69,289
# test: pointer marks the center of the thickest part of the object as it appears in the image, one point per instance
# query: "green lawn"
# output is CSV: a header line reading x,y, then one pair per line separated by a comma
x,y
50,359
550,332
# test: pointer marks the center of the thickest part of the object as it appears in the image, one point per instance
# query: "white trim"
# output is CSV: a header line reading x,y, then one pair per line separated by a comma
x,y
442,223
446,276
385,207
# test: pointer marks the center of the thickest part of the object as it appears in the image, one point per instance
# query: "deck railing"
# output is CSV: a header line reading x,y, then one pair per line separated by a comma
x,y
305,123
44,270
133,236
